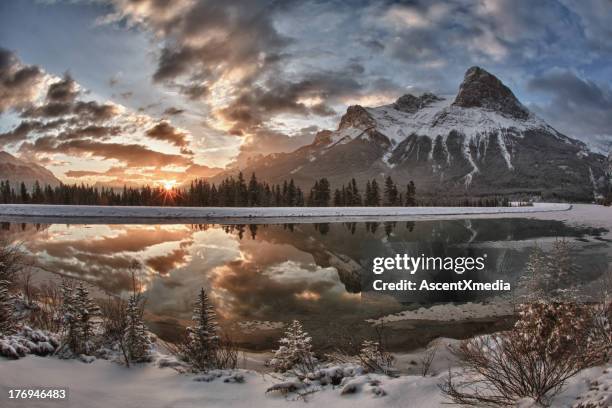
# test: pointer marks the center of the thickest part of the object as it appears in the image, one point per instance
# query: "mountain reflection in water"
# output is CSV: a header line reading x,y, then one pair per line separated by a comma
x,y
261,276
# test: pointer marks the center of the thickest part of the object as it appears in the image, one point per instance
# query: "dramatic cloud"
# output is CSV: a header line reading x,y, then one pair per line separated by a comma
x,y
21,132
579,107
166,132
63,91
19,84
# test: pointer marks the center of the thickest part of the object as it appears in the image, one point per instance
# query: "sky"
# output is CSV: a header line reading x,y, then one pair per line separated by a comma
x,y
156,91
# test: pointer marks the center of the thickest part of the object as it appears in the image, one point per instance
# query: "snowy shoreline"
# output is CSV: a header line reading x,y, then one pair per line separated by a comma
x,y
32,212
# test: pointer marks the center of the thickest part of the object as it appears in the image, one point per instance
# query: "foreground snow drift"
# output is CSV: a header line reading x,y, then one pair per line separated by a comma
x,y
83,211
103,384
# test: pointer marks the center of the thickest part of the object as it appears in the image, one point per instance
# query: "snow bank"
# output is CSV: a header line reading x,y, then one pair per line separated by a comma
x,y
449,311
10,211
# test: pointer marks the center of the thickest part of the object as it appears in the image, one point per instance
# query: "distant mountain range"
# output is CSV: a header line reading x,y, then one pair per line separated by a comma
x,y
17,170
482,141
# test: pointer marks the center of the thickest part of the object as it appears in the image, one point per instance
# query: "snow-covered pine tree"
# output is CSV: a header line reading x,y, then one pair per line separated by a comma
x,y
537,275
295,351
69,317
135,339
202,344
7,310
85,309
560,265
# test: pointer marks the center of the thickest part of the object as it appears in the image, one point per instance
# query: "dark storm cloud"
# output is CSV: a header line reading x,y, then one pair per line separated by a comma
x,y
579,107
19,83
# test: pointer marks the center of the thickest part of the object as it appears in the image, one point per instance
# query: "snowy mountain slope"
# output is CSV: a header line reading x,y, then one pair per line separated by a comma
x,y
482,141
16,171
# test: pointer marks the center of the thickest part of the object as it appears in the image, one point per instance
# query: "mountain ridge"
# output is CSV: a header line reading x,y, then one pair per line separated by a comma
x,y
16,171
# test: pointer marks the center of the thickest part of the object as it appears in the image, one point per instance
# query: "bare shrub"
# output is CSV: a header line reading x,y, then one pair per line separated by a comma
x,y
48,314
11,260
27,288
113,312
428,358
548,345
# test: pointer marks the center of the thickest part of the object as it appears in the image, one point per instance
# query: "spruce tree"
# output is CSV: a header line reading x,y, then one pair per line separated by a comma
x,y
135,339
202,344
85,309
356,197
410,194
374,194
69,317
253,192
295,351
391,193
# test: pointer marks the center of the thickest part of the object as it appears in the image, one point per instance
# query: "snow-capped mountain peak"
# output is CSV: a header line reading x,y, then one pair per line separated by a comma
x,y
480,141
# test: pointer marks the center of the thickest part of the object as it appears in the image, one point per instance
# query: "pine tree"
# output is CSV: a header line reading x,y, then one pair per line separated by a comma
x,y
135,339
374,194
202,344
355,196
7,310
391,193
253,192
69,316
85,309
410,194
295,351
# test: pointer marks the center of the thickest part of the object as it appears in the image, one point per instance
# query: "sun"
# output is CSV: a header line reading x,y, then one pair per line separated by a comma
x,y
168,184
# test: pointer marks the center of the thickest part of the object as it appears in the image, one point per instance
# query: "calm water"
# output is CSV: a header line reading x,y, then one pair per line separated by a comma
x,y
261,276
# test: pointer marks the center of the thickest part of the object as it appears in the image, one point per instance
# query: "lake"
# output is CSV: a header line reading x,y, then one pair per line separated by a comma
x,y
263,276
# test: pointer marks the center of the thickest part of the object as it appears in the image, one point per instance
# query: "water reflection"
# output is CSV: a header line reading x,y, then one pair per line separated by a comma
x,y
262,275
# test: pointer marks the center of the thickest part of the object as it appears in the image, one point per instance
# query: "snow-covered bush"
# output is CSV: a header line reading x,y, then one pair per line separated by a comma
x,y
551,275
375,359
294,352
28,341
548,345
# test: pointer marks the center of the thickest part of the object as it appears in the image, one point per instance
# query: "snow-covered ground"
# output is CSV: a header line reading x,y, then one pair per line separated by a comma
x,y
19,212
103,384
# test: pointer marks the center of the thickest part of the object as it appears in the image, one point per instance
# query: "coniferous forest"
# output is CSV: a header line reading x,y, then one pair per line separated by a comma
x,y
237,192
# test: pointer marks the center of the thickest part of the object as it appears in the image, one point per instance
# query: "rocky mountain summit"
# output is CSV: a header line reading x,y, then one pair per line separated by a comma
x,y
482,141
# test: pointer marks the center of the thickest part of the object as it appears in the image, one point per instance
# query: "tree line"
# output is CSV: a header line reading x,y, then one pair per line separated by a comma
x,y
233,192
